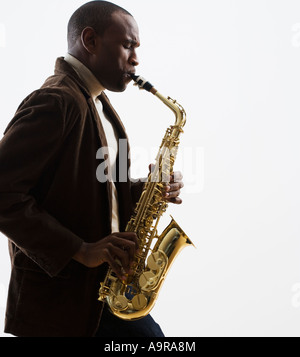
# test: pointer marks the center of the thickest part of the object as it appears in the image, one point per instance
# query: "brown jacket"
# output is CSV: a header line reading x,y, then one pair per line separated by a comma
x,y
51,201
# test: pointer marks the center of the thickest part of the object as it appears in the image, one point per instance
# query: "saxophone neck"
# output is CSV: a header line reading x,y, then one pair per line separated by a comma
x,y
177,109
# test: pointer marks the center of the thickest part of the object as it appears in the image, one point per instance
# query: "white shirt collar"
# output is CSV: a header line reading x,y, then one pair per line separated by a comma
x,y
94,86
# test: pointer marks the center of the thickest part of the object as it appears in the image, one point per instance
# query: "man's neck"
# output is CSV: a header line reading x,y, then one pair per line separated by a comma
x,y
94,86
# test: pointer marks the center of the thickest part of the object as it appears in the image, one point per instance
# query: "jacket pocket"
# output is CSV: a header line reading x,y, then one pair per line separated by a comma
x,y
21,261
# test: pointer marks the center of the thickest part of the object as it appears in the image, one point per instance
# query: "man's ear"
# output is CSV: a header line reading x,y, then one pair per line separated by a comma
x,y
89,39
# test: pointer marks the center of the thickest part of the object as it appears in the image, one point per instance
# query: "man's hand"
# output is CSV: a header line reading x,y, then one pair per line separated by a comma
x,y
172,189
117,249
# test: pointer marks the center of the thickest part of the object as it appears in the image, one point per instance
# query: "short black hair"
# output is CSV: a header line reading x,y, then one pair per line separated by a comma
x,y
95,14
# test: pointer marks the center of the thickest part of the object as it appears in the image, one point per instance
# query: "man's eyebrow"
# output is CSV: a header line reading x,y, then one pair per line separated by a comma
x,y
133,42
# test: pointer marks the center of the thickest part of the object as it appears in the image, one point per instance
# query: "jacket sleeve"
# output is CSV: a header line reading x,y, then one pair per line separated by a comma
x,y
31,141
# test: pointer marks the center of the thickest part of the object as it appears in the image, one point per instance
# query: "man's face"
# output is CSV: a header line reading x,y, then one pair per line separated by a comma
x,y
115,58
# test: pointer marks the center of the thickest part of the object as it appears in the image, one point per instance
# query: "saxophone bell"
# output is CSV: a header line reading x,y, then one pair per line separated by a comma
x,y
127,303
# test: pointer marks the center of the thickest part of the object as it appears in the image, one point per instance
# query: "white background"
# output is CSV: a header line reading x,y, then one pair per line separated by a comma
x,y
235,67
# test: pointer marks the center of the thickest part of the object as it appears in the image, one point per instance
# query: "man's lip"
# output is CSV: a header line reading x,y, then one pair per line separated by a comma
x,y
129,74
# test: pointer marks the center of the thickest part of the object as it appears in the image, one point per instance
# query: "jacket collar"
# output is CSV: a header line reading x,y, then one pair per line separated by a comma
x,y
85,74
64,68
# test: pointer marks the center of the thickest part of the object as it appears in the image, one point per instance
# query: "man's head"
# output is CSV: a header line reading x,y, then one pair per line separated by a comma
x,y
104,37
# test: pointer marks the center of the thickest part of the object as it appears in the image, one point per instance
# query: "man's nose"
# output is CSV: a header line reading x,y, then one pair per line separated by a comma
x,y
134,61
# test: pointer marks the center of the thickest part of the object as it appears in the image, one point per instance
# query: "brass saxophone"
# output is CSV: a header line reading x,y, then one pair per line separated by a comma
x,y
136,297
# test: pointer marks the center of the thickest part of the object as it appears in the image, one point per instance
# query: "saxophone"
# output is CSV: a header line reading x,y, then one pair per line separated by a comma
x,y
136,297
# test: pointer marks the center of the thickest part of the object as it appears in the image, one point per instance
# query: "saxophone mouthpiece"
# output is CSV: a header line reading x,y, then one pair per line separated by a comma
x,y
142,83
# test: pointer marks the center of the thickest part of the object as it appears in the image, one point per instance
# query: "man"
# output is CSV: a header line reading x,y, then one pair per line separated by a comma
x,y
64,226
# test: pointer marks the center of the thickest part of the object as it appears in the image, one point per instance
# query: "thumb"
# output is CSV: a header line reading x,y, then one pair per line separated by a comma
x,y
151,168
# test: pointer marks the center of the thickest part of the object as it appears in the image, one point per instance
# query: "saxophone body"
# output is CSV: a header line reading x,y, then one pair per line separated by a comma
x,y
136,297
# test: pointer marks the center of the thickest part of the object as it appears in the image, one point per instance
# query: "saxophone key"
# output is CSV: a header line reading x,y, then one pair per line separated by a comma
x,y
147,280
120,303
139,302
156,260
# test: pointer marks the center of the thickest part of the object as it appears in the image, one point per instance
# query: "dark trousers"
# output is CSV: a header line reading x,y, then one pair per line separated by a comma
x,y
112,326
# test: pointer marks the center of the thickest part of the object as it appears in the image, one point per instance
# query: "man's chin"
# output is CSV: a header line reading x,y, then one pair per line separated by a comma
x,y
119,89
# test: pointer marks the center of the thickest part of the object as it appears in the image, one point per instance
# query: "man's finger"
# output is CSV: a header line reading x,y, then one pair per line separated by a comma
x,y
176,200
127,237
113,263
176,176
125,250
